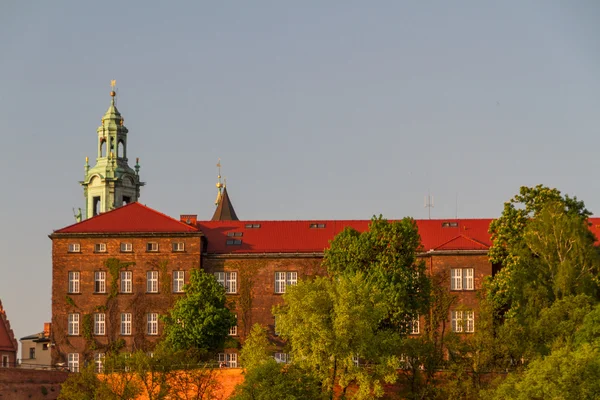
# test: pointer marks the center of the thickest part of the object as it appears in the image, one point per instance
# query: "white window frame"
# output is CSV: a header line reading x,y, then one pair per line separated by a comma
x,y
5,361
178,246
414,326
463,321
126,281
285,279
74,248
73,362
100,248
126,324
229,358
152,282
74,281
126,247
228,280
462,279
178,281
233,331
99,281
283,358
99,324
152,247
152,324
73,324
99,363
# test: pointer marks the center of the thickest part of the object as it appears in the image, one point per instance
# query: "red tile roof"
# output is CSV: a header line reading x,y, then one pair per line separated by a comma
x,y
131,218
8,342
299,237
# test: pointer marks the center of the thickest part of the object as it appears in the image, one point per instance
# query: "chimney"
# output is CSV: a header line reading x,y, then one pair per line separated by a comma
x,y
189,219
47,326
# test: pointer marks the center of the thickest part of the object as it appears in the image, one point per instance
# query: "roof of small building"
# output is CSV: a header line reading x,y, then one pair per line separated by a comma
x,y
225,237
7,336
131,218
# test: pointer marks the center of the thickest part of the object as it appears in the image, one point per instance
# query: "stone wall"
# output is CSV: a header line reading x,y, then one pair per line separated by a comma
x,y
18,384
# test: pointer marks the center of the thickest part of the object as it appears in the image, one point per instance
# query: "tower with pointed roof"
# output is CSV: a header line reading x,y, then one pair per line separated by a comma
x,y
111,182
224,211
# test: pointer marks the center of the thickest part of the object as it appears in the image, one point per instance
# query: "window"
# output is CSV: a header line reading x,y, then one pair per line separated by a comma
x,y
227,279
252,226
449,224
178,281
284,279
233,331
126,278
152,282
461,279
229,359
414,326
32,353
100,282
463,321
125,324
100,247
178,246
99,324
126,247
4,361
235,234
283,358
99,363
151,246
74,248
152,326
233,242
73,362
73,324
45,346
317,226
73,281
356,360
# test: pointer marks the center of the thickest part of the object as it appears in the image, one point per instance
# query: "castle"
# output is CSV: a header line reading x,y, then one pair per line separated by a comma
x,y
123,264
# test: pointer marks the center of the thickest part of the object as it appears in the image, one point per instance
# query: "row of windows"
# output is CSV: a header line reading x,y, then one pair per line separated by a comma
x,y
460,279
125,326
126,247
126,281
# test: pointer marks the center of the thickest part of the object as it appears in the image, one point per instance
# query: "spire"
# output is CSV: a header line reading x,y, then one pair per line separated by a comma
x,y
224,211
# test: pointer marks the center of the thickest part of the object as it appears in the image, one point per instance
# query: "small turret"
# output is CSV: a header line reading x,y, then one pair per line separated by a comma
x,y
224,211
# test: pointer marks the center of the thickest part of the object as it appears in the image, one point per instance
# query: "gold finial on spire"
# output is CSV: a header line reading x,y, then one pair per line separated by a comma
x,y
113,83
219,184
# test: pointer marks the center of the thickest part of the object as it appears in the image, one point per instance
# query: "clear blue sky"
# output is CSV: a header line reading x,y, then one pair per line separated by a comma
x,y
318,109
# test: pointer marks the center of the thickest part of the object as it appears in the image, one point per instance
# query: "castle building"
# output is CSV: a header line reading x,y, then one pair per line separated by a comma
x,y
115,272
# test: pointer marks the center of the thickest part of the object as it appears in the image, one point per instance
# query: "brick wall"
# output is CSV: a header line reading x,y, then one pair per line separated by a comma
x,y
138,302
18,383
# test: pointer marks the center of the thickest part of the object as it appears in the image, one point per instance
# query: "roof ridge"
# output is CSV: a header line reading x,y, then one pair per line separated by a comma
x,y
9,331
163,214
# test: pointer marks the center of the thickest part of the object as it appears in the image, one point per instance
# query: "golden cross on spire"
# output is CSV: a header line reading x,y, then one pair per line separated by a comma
x,y
113,83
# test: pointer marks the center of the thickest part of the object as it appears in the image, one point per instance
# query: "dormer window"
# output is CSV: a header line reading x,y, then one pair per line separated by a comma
x,y
252,226
317,226
235,234
233,242
449,224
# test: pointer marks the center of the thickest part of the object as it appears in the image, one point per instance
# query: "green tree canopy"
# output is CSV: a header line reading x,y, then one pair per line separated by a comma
x,y
333,328
200,319
387,256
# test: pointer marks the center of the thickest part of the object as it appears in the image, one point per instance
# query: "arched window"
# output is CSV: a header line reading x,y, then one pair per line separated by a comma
x,y
103,148
121,149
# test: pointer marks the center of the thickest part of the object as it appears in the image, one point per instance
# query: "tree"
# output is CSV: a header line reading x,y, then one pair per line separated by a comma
x,y
256,347
270,380
387,255
564,374
83,385
200,319
333,329
523,233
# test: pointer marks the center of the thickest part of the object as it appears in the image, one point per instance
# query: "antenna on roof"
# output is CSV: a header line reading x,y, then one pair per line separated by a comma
x,y
429,203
